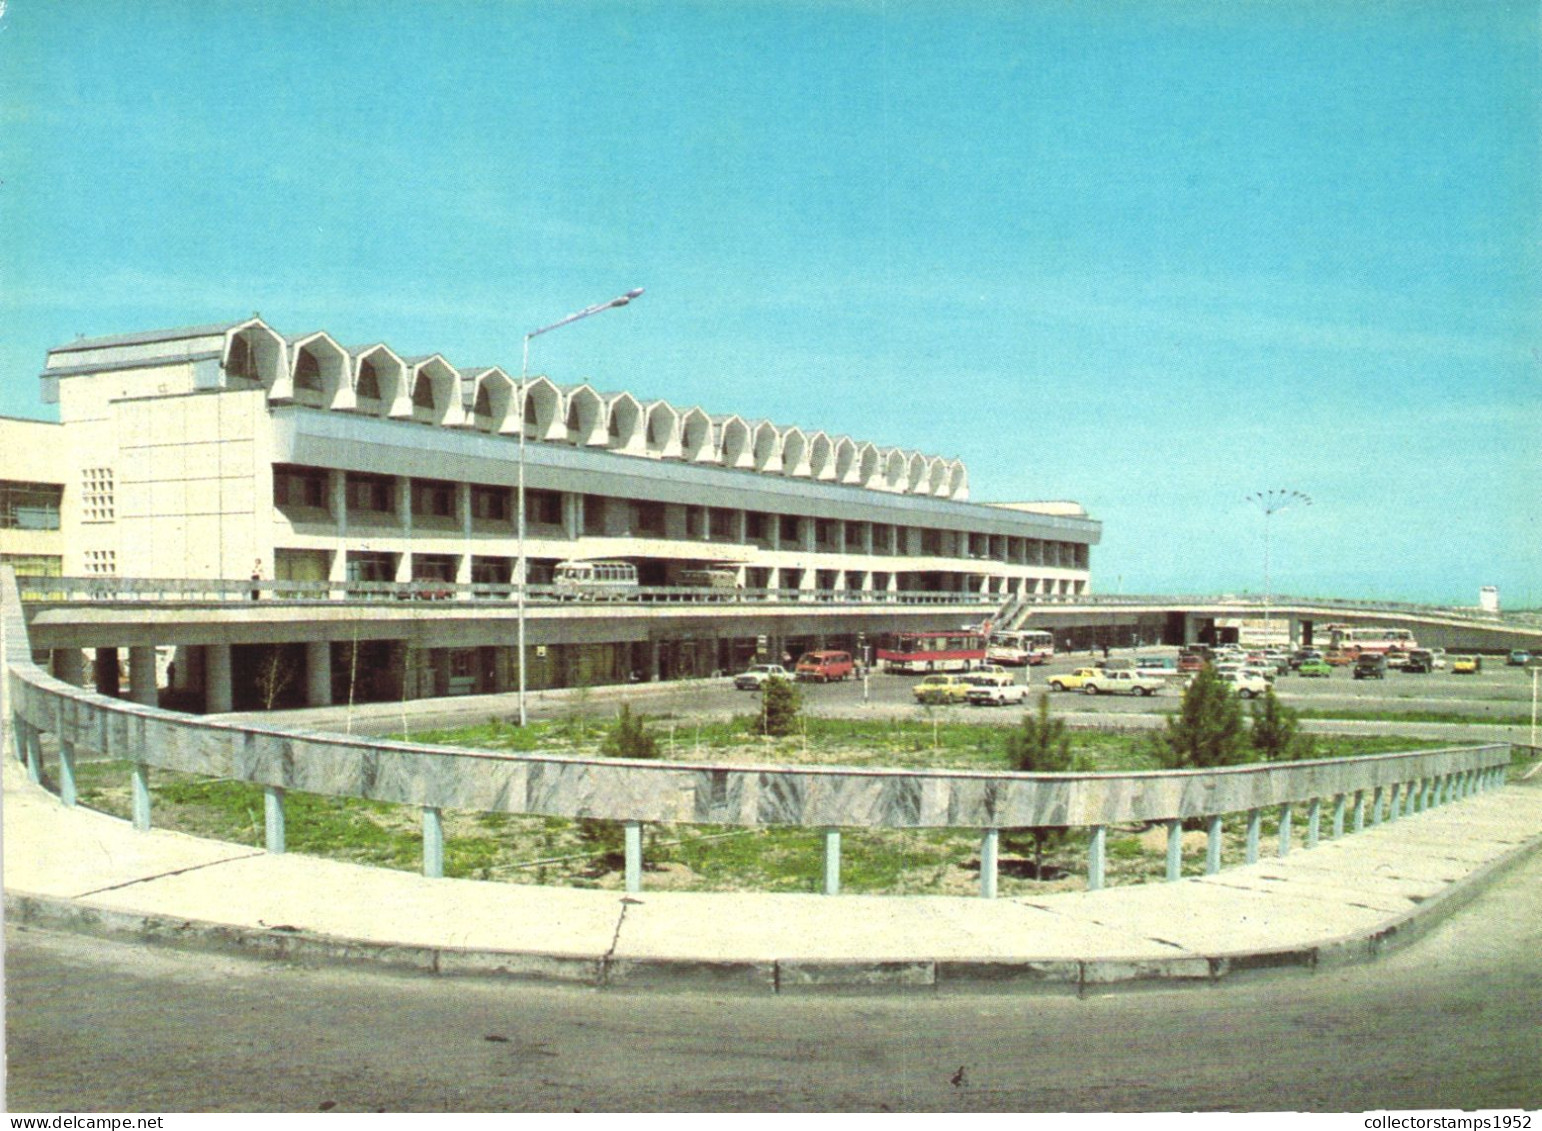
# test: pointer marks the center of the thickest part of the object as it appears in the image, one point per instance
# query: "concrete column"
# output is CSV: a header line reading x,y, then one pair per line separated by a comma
x,y
142,676
1338,816
19,739
1213,847
69,665
32,751
217,695
337,503
433,842
273,818
107,676
832,861
68,793
1359,810
1285,811
1313,822
1255,825
1395,802
867,538
1378,800
1174,850
139,788
634,856
318,673
990,858
1096,854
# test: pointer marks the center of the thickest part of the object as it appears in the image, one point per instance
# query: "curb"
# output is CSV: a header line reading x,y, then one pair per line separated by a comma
x,y
769,976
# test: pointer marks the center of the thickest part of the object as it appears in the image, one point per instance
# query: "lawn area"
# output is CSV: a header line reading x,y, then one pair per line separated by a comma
x,y
550,850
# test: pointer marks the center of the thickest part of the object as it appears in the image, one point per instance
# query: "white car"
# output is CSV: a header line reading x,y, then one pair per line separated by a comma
x,y
988,692
754,677
1247,683
1123,681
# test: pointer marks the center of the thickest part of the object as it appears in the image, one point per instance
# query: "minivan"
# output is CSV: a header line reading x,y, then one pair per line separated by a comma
x,y
822,667
1371,665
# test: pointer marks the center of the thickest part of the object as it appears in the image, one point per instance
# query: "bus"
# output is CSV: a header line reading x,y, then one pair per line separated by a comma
x,y
1361,638
592,581
931,651
1020,648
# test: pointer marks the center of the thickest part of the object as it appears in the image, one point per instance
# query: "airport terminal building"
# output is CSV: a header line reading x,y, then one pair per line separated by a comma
x,y
228,450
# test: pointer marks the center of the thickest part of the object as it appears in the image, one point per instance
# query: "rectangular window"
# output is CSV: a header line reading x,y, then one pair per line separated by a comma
x,y
34,565
491,503
721,523
371,493
102,563
594,514
755,526
433,499
299,486
97,499
543,507
789,530
29,506
650,517
693,522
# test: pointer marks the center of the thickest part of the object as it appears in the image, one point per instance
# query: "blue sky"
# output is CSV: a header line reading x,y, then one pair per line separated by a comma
x,y
1149,256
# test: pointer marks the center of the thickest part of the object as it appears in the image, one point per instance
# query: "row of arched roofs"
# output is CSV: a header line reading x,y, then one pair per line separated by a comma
x,y
314,369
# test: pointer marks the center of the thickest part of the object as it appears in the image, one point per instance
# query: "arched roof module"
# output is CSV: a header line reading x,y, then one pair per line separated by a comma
x,y
768,447
318,373
738,444
542,412
697,441
662,430
847,467
487,399
625,426
821,457
435,391
254,351
379,368
958,481
795,452
585,417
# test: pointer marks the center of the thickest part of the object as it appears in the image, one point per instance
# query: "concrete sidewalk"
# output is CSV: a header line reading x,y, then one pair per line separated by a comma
x,y
1344,901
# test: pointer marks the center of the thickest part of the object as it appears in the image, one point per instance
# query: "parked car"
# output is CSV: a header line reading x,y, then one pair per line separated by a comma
x,y
1420,662
1190,661
1246,683
987,692
942,688
1397,658
1074,681
1466,665
1439,660
1156,667
823,667
1122,682
1303,655
993,673
1339,658
1518,658
754,677
1317,667
1371,665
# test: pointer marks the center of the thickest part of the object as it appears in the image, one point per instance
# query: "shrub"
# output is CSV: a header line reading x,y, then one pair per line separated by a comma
x,y
779,707
629,738
1208,729
1275,729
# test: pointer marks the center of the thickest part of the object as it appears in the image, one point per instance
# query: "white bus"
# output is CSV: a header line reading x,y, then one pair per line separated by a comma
x,y
1020,648
595,581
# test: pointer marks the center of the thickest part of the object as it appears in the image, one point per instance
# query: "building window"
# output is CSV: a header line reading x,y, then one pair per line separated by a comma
x,y
650,517
374,493
368,565
34,565
693,522
789,531
721,524
755,525
307,372
543,507
102,563
491,503
97,500
432,499
299,486
594,514
368,387
29,506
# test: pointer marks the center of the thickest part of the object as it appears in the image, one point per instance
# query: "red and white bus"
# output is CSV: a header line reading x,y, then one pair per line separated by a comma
x,y
931,651
1020,649
1365,638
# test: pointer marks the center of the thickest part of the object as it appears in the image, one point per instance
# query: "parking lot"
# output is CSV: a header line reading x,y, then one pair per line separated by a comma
x,y
1498,692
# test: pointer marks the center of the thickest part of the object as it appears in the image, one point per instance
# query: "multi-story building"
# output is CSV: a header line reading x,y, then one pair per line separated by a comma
x,y
220,451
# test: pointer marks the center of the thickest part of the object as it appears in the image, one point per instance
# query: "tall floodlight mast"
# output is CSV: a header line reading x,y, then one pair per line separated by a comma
x,y
1271,503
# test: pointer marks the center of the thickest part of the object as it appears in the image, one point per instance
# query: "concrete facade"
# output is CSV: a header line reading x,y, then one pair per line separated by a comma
x,y
32,496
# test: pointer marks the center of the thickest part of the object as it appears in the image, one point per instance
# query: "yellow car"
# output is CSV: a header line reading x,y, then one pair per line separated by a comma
x,y
941,689
1466,665
1076,681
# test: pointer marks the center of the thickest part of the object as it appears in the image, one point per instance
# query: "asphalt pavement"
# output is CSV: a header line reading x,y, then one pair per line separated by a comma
x,y
1346,900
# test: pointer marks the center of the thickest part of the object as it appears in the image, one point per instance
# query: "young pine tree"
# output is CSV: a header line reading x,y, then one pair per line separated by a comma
x,y
1208,729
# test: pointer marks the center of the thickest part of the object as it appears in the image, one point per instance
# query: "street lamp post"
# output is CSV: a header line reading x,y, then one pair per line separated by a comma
x,y
524,376
1271,502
